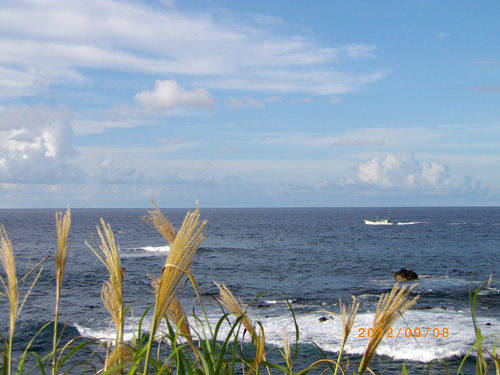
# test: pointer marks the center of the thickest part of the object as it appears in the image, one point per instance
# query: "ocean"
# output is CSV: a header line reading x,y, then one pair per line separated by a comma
x,y
310,256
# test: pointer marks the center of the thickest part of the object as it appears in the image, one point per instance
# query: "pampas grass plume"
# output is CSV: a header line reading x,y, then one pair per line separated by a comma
x,y
11,289
236,307
161,223
108,253
390,307
183,246
179,259
63,225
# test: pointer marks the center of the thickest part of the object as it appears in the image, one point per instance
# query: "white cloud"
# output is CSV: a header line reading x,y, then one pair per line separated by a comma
x,y
313,81
83,127
359,51
50,41
403,171
435,174
17,83
168,95
114,171
471,186
36,145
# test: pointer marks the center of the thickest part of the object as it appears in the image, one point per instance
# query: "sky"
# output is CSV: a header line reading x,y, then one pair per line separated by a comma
x,y
249,103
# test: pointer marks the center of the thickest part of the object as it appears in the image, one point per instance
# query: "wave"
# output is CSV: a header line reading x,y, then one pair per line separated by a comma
x,y
134,251
155,249
441,334
108,332
411,223
145,251
434,342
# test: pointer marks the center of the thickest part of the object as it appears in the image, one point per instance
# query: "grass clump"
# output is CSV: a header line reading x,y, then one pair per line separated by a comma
x,y
190,345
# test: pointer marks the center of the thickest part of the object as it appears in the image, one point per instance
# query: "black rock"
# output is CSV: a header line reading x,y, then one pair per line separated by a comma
x,y
405,275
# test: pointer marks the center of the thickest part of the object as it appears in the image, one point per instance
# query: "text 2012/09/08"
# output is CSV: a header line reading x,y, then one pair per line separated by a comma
x,y
405,332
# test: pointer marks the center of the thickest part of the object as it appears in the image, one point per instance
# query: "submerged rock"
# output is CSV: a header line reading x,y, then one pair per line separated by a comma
x,y
405,275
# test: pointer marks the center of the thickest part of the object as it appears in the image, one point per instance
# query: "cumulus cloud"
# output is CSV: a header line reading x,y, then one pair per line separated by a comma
x,y
404,171
474,187
36,145
113,171
169,94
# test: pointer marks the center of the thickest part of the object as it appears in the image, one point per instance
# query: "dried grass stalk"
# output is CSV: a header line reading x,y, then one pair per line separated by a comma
x,y
11,289
161,223
347,324
63,225
236,307
179,259
348,318
287,350
390,307
111,302
182,250
108,253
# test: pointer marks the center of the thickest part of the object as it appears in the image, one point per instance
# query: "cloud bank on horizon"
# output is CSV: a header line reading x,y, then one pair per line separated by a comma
x,y
107,103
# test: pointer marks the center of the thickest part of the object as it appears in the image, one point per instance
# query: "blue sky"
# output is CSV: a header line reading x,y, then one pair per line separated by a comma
x,y
249,103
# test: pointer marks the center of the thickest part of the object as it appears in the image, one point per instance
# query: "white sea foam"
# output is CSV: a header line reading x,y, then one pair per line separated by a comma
x,y
434,342
155,249
103,333
411,223
109,332
442,333
273,302
145,251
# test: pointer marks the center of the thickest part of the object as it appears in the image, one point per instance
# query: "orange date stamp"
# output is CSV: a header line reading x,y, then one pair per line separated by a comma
x,y
405,332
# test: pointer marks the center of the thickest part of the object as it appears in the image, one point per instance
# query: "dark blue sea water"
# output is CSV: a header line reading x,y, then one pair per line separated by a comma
x,y
312,256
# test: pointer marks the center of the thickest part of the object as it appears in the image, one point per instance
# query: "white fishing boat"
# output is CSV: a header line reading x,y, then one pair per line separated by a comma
x,y
378,222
